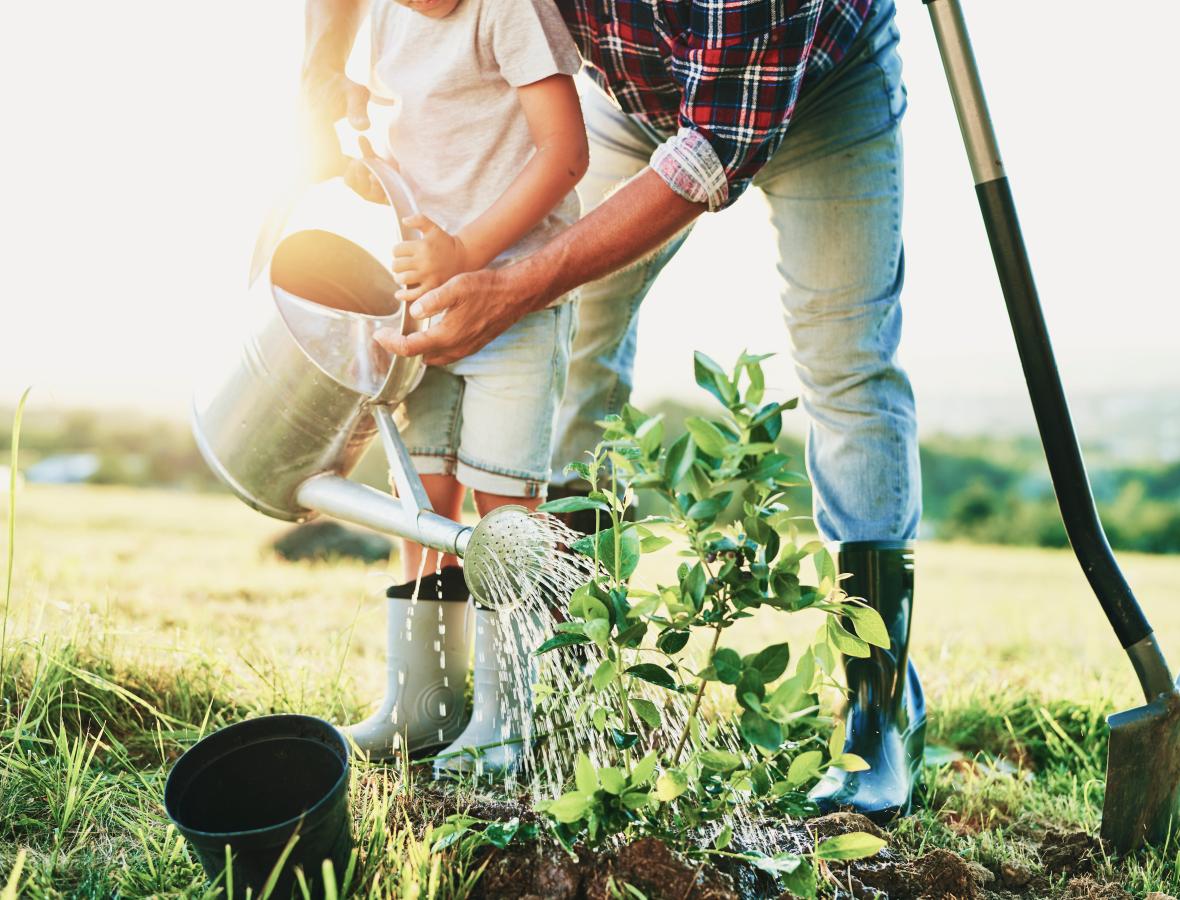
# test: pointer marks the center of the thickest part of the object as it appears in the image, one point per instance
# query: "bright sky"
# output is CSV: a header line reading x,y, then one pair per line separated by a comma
x,y
144,141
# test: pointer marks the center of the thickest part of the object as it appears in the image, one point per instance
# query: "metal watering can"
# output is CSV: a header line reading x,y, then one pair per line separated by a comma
x,y
310,390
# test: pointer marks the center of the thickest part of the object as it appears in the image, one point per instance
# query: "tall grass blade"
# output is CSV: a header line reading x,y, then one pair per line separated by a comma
x,y
11,562
269,887
13,883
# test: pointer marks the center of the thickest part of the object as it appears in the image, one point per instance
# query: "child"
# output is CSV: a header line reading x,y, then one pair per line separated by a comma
x,y
488,133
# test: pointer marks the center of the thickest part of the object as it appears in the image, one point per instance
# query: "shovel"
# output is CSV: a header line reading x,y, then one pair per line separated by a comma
x,y
1143,767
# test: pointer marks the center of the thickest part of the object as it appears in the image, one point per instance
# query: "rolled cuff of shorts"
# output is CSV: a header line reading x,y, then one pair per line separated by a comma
x,y
504,484
470,475
690,166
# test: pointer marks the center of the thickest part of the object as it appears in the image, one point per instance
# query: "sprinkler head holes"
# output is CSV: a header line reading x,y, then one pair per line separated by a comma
x,y
509,555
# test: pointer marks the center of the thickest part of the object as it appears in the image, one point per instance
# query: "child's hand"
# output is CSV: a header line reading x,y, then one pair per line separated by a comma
x,y
422,265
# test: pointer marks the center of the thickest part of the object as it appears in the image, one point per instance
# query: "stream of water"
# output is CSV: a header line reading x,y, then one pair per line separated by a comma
x,y
528,583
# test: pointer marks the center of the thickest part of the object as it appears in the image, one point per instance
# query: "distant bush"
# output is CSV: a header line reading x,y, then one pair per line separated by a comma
x,y
989,490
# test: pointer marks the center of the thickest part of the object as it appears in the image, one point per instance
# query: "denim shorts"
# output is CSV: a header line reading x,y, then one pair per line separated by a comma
x,y
488,419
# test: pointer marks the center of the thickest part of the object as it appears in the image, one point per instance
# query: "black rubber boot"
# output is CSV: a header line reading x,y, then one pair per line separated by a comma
x,y
447,584
886,717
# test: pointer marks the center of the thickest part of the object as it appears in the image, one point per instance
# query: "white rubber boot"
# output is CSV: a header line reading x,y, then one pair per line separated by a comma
x,y
426,673
502,699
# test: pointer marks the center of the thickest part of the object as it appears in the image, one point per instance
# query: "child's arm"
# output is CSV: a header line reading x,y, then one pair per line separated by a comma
x,y
555,121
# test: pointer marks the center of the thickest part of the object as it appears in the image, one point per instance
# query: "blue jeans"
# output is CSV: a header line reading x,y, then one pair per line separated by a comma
x,y
835,193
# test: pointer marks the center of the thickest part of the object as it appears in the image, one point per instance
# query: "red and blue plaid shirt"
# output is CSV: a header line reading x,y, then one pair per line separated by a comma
x,y
719,78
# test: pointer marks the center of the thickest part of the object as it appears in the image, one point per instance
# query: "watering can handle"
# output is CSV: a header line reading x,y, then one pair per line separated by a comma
x,y
396,191
393,186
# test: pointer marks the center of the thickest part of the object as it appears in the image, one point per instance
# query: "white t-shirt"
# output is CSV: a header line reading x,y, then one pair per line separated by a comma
x,y
458,132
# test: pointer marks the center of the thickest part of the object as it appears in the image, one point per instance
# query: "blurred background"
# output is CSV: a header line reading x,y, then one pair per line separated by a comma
x,y
147,140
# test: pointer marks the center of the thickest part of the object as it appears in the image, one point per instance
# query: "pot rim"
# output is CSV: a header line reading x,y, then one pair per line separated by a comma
x,y
250,832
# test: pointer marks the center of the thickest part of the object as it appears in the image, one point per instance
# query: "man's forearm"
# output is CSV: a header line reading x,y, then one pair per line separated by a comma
x,y
330,27
637,219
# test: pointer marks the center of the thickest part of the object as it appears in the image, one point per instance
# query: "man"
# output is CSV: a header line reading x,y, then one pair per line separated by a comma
x,y
699,100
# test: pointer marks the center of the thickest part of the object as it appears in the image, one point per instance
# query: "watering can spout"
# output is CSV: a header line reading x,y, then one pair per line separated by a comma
x,y
362,505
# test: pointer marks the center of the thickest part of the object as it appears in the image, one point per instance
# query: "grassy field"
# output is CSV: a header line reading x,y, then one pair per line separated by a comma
x,y
140,620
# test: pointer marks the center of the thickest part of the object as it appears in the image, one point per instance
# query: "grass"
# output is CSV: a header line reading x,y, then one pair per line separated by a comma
x,y
140,620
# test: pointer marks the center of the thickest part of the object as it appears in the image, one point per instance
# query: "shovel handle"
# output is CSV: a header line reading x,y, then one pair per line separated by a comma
x,y
1068,471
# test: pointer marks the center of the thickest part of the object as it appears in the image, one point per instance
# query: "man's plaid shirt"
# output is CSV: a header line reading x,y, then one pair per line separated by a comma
x,y
719,78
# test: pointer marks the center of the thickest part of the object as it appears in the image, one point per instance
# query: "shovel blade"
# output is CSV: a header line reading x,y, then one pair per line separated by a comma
x,y
1143,774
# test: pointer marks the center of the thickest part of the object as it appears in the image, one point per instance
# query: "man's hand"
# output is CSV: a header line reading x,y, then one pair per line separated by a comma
x,y
329,96
429,262
479,307
358,177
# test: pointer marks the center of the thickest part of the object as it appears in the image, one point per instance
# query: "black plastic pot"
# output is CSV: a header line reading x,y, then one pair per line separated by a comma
x,y
252,786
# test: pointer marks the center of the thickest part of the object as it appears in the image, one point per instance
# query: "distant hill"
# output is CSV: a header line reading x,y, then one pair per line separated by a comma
x,y
989,485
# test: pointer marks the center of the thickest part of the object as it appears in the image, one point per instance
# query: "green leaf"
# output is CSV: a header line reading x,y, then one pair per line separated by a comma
x,y
585,775
705,509
707,436
786,589
836,740
604,547
850,762
679,460
791,696
650,435
728,666
772,661
672,641
569,808
636,799
750,683
767,467
724,836
585,605
805,767
623,740
845,641
643,770
581,469
653,543
801,882
671,784
825,568
693,586
561,640
598,719
713,379
779,864
598,630
633,635
572,504
647,711
654,674
719,760
760,780
854,845
761,731
604,674
612,780
868,624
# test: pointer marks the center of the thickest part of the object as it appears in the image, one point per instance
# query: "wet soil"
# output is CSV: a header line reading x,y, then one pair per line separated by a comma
x,y
542,870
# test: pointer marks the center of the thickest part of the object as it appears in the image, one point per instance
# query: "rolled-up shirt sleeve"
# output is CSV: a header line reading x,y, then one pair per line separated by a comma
x,y
740,70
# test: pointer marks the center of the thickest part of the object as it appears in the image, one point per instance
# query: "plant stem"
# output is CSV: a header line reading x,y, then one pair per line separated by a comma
x,y
696,703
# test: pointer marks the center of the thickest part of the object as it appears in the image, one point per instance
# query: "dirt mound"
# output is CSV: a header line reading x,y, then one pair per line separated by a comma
x,y
937,874
648,865
1071,852
542,869
1088,888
